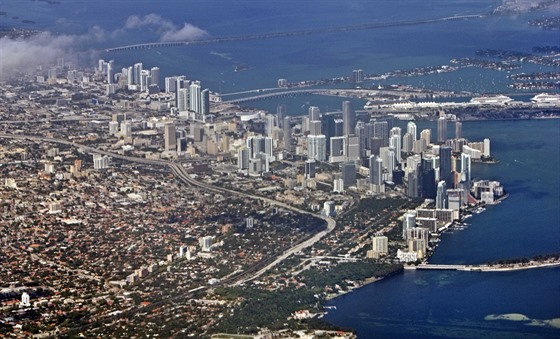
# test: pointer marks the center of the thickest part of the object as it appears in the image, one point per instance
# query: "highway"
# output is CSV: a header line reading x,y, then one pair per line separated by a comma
x,y
272,35
181,174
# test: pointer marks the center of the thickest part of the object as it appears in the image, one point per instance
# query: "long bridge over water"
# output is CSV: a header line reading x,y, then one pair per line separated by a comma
x,y
485,268
153,45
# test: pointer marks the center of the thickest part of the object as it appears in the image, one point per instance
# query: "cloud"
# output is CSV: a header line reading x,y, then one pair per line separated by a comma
x,y
23,55
187,33
44,48
167,30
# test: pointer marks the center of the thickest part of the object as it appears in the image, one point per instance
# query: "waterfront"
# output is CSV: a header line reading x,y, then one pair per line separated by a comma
x,y
440,303
455,303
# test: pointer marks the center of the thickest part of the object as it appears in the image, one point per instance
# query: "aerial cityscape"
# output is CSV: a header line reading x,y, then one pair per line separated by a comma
x,y
280,170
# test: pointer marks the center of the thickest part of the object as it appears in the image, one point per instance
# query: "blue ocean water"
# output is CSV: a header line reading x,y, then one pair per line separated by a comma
x,y
413,304
296,58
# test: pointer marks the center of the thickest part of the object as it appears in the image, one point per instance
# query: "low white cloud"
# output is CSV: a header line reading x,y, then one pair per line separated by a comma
x,y
187,33
44,48
167,30
41,49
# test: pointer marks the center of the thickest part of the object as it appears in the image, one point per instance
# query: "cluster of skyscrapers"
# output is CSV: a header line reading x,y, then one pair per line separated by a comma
x,y
191,100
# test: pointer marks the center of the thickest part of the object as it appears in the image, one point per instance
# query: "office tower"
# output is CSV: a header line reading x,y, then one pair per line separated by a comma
x,y
256,145
110,72
243,158
419,146
204,103
458,130
427,179
411,129
194,97
445,173
357,75
338,147
169,137
441,130
287,126
466,169
381,131
348,118
281,114
315,127
441,197
144,80
380,245
183,99
426,135
390,164
129,76
181,83
154,74
362,135
100,65
314,113
395,141
126,129
113,128
270,122
137,73
317,147
408,143
170,84
310,168
413,182
486,151
409,221
352,151
338,128
375,170
348,173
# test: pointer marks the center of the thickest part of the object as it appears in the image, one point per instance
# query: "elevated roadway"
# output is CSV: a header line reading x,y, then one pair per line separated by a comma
x,y
153,45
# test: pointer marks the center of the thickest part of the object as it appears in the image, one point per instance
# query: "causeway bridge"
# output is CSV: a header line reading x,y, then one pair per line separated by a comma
x,y
485,268
272,35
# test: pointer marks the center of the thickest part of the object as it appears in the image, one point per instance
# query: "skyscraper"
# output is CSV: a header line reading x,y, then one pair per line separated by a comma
x,y
381,131
395,143
169,137
287,127
183,99
441,197
441,130
426,134
411,129
310,165
357,75
154,73
348,118
376,174
445,173
204,104
243,158
280,114
348,173
317,147
314,113
466,169
137,73
194,97
458,130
